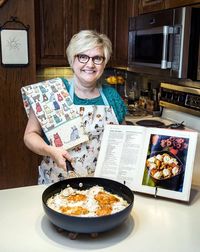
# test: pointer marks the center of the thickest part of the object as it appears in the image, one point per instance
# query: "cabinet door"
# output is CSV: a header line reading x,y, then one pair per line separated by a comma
x,y
59,20
54,31
120,11
89,14
146,6
109,17
179,3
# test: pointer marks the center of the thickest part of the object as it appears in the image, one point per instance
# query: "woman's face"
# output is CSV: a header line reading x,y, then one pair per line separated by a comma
x,y
88,73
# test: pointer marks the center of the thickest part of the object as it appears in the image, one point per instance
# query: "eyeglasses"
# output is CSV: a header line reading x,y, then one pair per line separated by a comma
x,y
83,58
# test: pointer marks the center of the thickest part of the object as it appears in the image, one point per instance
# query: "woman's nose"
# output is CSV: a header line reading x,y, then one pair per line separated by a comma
x,y
90,62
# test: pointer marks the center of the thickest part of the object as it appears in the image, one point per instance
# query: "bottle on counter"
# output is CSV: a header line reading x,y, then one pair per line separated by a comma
x,y
150,99
143,99
157,109
133,94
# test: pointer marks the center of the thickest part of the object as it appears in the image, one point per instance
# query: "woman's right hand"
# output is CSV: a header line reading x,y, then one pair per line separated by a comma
x,y
34,141
59,155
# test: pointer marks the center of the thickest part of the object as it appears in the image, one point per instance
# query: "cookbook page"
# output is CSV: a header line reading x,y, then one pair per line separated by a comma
x,y
150,160
121,155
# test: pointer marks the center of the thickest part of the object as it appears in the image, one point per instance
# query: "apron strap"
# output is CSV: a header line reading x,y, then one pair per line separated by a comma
x,y
71,89
106,103
71,93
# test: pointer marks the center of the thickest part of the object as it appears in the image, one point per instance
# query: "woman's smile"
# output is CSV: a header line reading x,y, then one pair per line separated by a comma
x,y
88,73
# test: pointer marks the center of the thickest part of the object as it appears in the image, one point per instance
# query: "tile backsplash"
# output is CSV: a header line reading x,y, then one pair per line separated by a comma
x,y
54,72
130,77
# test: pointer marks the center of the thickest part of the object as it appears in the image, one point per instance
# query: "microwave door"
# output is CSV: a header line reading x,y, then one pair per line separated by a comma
x,y
150,47
146,47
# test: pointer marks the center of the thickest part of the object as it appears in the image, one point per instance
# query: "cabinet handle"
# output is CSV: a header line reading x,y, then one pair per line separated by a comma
x,y
152,21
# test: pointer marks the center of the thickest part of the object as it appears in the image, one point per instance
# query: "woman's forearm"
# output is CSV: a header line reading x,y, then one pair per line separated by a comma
x,y
36,144
33,137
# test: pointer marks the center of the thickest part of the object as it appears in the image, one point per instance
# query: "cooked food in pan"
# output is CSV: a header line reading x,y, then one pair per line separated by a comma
x,y
93,202
163,166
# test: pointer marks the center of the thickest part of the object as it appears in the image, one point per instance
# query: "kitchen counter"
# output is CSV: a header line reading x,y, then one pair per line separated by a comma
x,y
155,224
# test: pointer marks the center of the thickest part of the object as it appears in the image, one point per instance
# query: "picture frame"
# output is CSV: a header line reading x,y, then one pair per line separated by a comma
x,y
14,47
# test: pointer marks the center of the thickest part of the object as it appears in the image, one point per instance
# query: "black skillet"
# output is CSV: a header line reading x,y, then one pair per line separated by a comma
x,y
88,224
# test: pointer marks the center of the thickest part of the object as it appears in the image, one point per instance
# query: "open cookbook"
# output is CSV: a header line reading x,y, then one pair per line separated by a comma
x,y
150,160
55,111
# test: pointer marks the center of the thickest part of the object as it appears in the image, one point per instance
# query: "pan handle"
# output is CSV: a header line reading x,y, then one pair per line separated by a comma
x,y
70,170
69,166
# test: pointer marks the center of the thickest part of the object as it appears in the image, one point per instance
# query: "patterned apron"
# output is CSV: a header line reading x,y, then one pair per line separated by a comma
x,y
85,155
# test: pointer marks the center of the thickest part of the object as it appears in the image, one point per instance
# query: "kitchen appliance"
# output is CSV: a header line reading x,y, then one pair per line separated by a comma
x,y
180,98
180,109
88,224
166,43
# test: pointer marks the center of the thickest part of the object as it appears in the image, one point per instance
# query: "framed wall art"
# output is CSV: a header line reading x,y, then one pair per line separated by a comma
x,y
14,45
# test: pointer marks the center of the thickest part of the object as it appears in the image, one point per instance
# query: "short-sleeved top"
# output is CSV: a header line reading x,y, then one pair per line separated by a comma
x,y
112,96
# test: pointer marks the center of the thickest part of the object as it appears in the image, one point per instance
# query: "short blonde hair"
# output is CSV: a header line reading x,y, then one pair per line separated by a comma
x,y
87,40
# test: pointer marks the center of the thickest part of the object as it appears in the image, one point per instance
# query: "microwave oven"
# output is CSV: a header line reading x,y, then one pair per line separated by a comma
x,y
166,43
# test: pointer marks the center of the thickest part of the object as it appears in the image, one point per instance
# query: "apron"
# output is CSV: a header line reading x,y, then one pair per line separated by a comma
x,y
85,155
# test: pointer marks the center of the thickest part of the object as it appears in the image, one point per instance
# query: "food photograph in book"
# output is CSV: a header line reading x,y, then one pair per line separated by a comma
x,y
166,162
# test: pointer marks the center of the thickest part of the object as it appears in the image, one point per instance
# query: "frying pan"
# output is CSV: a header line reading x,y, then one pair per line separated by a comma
x,y
174,182
88,224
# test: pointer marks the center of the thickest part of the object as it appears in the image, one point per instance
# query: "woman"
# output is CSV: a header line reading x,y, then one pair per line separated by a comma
x,y
88,53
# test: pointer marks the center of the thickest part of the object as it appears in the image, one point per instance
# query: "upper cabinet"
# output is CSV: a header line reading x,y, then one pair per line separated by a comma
x,y
90,14
57,21
54,29
119,14
179,3
146,6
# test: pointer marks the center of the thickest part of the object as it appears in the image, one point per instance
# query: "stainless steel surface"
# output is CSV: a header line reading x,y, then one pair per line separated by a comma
x,y
198,64
183,39
164,62
162,43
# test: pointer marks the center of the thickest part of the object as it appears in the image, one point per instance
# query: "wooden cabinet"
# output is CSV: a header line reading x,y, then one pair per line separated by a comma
x,y
179,3
57,21
146,6
18,164
53,31
90,14
109,17
120,11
